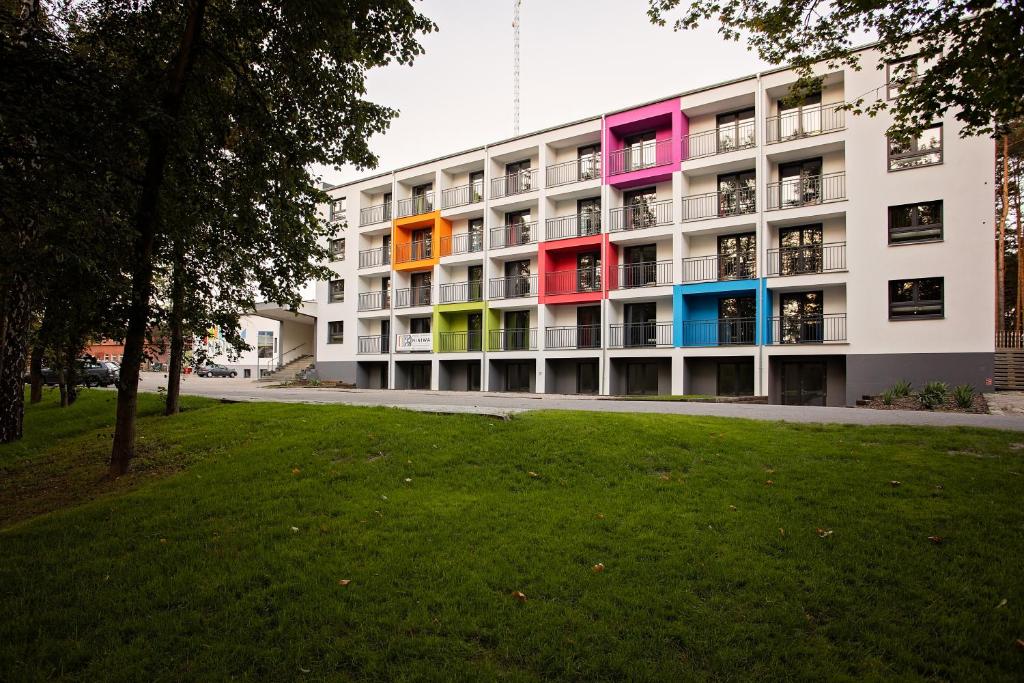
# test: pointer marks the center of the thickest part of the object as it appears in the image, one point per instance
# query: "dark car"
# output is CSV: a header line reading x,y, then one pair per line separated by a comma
x,y
89,372
214,370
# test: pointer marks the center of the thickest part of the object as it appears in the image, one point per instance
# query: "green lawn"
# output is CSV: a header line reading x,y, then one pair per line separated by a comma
x,y
221,557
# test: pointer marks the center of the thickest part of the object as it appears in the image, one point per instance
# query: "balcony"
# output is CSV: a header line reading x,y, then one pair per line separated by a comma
x,y
582,281
373,301
371,258
412,296
806,191
573,337
414,251
719,332
514,183
640,335
718,267
374,343
809,329
585,168
459,342
371,215
512,287
646,274
462,195
512,339
638,157
805,122
462,292
720,141
807,259
413,206
738,202
463,243
576,225
639,216
514,235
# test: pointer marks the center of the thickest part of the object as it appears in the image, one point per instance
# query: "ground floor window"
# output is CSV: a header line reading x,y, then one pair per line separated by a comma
x,y
517,376
735,378
587,377
804,383
641,378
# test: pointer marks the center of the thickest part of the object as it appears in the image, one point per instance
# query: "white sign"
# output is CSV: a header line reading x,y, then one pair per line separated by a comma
x,y
415,342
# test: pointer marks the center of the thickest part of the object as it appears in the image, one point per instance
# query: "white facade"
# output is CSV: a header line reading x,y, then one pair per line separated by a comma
x,y
262,335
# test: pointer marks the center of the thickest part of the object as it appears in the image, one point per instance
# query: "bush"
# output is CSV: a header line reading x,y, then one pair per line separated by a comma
x,y
888,396
963,396
901,389
933,395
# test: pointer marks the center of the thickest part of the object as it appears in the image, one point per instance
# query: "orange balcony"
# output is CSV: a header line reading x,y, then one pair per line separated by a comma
x,y
416,240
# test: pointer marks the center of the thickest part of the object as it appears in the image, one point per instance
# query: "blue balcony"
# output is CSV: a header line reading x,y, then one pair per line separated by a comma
x,y
726,313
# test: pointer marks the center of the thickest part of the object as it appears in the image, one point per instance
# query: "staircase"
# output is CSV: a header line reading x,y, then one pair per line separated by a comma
x,y
287,372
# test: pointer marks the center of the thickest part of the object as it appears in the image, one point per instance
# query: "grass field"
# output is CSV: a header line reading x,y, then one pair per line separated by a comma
x,y
731,549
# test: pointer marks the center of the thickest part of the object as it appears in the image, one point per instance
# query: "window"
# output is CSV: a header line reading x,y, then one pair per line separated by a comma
x,y
898,73
336,332
924,150
338,209
265,344
910,299
336,291
915,223
337,248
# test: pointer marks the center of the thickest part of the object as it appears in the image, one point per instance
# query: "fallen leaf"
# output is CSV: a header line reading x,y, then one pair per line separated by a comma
x,y
296,470
769,470
344,582
533,474
600,516
782,532
598,568
732,507
519,595
665,476
408,480
894,483
383,497
769,482
1020,643
295,529
824,533
1002,603
163,540
935,539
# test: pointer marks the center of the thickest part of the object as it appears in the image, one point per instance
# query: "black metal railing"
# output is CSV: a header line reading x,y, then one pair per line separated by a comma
x,y
805,122
585,168
462,292
378,256
462,243
720,140
413,206
373,301
512,339
462,195
719,332
460,342
414,251
633,335
514,235
572,281
720,267
512,287
641,215
736,202
374,343
573,337
806,190
412,296
369,215
576,225
804,259
646,274
638,157
808,329
514,183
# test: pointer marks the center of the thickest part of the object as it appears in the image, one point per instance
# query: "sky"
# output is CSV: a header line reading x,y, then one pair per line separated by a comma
x,y
578,58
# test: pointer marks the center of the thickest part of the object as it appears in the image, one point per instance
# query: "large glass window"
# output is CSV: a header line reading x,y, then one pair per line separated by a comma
x,y
899,73
735,130
923,150
336,291
338,209
915,222
919,298
337,249
336,332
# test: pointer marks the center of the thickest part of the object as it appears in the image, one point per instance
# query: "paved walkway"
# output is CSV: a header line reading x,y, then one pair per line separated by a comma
x,y
507,404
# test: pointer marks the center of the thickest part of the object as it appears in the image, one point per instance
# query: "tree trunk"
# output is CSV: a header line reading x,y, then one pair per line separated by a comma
x,y
1001,246
35,372
123,449
177,335
15,314
71,375
1020,266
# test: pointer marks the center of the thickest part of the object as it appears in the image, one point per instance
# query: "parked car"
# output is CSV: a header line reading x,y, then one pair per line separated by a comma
x,y
214,370
89,372
113,367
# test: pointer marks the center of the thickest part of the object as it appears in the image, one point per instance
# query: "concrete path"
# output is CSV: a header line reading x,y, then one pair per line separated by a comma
x,y
500,405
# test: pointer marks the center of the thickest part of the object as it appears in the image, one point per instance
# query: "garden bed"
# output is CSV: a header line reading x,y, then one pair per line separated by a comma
x,y
978,405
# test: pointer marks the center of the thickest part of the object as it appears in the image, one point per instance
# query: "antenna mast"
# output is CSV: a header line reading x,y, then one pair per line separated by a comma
x,y
515,69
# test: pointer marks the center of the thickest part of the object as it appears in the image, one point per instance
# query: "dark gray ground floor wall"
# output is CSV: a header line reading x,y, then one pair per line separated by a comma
x,y
337,370
868,375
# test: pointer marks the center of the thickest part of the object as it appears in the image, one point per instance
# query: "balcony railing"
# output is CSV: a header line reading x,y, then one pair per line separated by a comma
x,y
373,301
576,225
512,287
638,157
646,274
737,202
460,342
720,267
413,206
462,292
514,235
512,339
805,122
719,332
806,190
412,296
462,243
639,216
414,251
720,140
371,215
462,195
634,335
378,256
585,280
514,183
805,259
573,337
585,168
374,343
809,329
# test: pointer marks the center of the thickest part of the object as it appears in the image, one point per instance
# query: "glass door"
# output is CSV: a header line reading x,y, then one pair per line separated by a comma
x,y
639,151
588,327
800,183
517,376
476,187
735,130
517,278
473,376
641,378
736,256
799,119
587,162
804,383
735,378
800,249
474,331
476,235
476,283
640,266
641,325
586,377
420,290
736,320
802,318
639,208
517,177
588,271
736,193
517,228
385,338
387,206
517,330
588,216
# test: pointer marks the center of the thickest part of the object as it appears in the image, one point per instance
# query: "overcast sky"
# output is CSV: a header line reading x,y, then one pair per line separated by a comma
x,y
578,58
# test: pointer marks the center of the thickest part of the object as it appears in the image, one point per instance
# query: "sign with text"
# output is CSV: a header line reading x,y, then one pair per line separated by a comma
x,y
415,342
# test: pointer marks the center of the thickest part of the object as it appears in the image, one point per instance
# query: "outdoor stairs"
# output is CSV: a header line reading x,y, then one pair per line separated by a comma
x,y
287,372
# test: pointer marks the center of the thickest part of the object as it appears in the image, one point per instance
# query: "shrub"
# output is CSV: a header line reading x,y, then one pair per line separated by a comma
x,y
901,389
963,396
888,396
933,395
